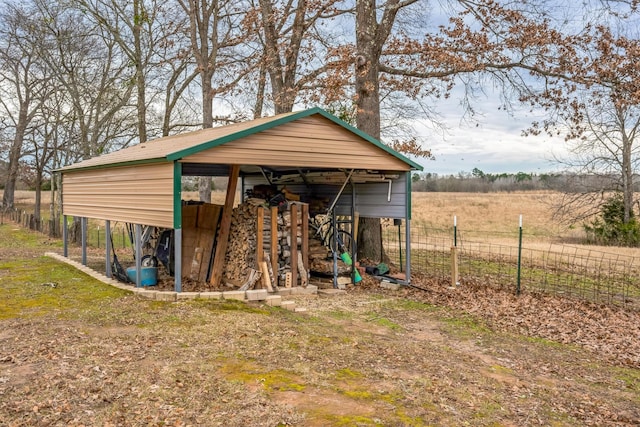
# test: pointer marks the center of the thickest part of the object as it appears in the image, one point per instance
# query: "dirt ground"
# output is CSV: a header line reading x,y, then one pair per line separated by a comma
x,y
75,352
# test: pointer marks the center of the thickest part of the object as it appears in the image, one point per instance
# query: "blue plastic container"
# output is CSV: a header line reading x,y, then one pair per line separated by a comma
x,y
148,275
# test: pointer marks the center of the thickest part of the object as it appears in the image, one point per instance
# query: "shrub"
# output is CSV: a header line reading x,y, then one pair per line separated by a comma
x,y
610,228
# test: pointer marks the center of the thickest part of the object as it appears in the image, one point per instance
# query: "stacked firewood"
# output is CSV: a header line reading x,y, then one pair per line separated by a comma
x,y
317,250
252,261
286,245
240,257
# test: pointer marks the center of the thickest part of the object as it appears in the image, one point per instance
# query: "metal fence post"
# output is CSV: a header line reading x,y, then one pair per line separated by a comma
x,y
455,274
455,230
519,255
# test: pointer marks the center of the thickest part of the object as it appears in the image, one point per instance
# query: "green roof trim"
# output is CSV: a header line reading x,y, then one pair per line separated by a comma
x,y
177,195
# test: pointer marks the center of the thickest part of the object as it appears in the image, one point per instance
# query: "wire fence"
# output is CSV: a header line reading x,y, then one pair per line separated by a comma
x,y
96,234
568,271
96,237
50,227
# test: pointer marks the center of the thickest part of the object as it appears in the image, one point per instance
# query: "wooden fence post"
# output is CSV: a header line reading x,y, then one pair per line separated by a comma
x,y
455,275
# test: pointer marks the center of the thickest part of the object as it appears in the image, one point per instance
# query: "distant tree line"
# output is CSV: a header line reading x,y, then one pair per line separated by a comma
x,y
478,181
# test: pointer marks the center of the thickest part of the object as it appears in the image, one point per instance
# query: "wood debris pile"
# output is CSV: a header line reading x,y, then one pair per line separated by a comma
x,y
267,249
261,246
240,257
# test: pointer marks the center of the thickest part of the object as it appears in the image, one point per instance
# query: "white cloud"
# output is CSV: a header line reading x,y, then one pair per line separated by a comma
x,y
494,145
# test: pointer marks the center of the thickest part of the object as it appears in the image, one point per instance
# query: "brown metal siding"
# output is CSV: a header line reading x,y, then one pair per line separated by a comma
x,y
136,194
309,142
162,147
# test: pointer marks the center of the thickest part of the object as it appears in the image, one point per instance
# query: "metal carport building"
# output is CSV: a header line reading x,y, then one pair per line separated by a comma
x,y
312,148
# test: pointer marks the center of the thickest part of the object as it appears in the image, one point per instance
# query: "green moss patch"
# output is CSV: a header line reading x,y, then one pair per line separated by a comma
x,y
40,286
13,237
252,373
630,377
383,321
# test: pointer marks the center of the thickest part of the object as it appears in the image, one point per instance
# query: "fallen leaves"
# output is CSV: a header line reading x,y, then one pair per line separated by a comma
x,y
608,331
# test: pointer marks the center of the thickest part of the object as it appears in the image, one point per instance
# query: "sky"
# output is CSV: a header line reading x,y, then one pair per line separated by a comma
x,y
496,144
493,144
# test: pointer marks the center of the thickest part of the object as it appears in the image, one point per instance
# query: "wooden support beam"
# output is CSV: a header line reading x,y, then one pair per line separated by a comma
x,y
455,274
305,236
274,244
294,245
225,225
260,235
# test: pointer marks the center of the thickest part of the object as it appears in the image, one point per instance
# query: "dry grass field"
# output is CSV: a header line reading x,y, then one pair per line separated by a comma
x,y
494,218
490,213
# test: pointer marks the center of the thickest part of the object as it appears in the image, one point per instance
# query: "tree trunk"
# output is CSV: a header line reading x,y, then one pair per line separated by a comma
x,y
140,81
38,202
282,52
9,191
75,230
370,240
627,178
8,198
53,229
368,111
367,82
257,109
204,189
204,182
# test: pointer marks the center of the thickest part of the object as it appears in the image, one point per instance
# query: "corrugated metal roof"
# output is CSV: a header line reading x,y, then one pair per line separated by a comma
x,y
175,147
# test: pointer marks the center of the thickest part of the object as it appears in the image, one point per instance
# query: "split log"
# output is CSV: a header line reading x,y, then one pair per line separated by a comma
x,y
298,240
294,246
272,276
266,278
274,244
252,279
325,266
258,234
304,275
222,240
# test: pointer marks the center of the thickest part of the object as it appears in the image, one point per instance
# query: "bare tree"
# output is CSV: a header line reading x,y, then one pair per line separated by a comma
x,y
176,71
213,31
24,85
597,110
49,135
93,75
293,44
513,46
87,64
133,26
